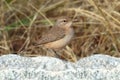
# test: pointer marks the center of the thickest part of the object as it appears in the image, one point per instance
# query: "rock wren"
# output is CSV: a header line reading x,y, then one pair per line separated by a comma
x,y
58,36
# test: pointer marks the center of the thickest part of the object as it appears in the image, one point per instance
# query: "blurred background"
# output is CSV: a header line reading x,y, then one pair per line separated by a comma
x,y
97,30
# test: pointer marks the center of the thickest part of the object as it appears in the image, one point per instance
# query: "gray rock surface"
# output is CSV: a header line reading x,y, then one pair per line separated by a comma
x,y
96,67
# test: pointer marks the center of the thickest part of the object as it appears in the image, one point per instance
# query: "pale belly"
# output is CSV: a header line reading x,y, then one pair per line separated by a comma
x,y
61,42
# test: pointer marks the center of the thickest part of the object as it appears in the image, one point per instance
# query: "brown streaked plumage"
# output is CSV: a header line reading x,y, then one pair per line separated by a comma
x,y
52,35
58,36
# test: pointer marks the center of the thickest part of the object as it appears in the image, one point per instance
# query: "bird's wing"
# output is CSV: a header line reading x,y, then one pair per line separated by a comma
x,y
52,35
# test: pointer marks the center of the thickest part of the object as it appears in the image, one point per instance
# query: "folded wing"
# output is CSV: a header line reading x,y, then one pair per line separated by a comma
x,y
53,34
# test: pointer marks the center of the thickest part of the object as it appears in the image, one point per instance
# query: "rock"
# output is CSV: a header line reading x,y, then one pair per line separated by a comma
x,y
96,67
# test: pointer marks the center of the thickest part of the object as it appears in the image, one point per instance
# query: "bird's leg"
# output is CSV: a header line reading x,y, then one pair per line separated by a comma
x,y
57,53
52,52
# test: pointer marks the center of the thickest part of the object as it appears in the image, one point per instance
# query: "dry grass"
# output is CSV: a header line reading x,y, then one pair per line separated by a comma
x,y
97,30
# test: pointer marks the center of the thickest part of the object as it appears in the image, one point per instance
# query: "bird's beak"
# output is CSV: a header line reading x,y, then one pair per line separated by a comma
x,y
69,24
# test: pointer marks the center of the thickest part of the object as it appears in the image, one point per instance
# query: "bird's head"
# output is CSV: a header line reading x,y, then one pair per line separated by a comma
x,y
63,23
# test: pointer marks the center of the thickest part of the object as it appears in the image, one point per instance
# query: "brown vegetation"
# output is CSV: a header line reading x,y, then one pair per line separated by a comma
x,y
97,29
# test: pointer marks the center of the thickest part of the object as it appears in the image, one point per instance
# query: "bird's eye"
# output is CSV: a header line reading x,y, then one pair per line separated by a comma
x,y
64,20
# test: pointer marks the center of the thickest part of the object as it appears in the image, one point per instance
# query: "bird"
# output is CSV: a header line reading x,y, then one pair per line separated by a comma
x,y
58,36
